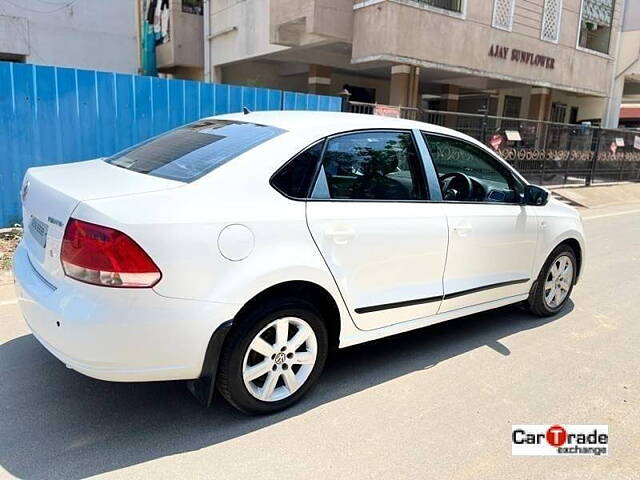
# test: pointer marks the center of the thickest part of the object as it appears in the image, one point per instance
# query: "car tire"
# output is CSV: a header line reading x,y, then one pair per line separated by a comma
x,y
558,274
257,330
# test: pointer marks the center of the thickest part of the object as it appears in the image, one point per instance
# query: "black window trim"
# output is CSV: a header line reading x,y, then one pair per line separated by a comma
x,y
412,131
285,164
426,162
513,173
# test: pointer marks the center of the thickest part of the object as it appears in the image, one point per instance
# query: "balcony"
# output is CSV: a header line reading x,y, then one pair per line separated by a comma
x,y
183,49
14,38
297,23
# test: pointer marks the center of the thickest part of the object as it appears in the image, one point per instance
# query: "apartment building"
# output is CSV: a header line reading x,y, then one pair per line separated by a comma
x,y
171,33
539,59
626,84
92,34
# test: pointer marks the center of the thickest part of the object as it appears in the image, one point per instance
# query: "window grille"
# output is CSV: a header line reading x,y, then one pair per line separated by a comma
x,y
551,20
503,14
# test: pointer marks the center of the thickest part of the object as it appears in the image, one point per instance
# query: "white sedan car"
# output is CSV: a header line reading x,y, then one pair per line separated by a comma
x,y
237,251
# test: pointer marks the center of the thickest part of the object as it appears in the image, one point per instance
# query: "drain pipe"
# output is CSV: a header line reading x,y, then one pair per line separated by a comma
x,y
207,40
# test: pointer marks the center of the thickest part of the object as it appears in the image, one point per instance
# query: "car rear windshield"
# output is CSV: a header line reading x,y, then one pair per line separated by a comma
x,y
189,152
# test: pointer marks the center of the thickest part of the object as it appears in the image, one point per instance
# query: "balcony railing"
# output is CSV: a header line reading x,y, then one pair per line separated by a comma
x,y
452,5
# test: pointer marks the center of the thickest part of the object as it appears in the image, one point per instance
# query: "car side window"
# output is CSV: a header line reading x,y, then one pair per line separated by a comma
x,y
466,173
295,177
372,165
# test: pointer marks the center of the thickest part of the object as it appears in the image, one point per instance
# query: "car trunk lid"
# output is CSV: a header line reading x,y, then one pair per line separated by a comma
x,y
51,194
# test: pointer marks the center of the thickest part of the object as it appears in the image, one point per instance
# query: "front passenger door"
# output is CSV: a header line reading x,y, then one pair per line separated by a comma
x,y
492,236
369,215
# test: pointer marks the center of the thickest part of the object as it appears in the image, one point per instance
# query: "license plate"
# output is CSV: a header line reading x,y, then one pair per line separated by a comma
x,y
38,231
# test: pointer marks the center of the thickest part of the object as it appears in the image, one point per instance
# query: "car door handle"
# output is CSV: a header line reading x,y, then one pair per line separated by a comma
x,y
340,235
463,229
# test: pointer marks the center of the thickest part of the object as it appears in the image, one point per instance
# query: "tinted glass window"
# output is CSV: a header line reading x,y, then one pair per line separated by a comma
x,y
189,152
371,166
454,160
294,179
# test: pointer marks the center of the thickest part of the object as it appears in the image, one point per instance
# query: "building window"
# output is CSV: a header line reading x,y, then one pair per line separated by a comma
x,y
595,24
551,20
452,5
12,57
503,14
573,117
558,112
511,109
512,106
192,6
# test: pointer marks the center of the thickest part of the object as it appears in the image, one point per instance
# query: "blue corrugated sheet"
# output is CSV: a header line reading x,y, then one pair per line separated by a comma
x,y
54,115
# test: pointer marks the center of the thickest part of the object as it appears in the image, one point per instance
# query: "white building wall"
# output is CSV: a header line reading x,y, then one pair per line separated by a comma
x,y
239,30
627,61
631,16
92,34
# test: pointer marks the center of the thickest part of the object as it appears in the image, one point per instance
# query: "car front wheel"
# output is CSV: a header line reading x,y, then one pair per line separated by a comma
x,y
272,357
555,282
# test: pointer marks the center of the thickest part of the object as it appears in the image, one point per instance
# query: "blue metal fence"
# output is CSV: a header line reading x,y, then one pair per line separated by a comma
x,y
54,115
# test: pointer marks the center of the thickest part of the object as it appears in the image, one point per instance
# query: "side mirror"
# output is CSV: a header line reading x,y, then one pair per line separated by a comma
x,y
536,196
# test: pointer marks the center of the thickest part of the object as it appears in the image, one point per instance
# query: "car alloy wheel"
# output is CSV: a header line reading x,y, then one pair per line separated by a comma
x,y
558,281
279,359
552,289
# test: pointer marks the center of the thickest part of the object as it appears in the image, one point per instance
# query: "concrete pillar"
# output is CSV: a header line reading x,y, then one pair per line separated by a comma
x,y
319,80
449,99
614,102
404,86
540,104
216,74
540,109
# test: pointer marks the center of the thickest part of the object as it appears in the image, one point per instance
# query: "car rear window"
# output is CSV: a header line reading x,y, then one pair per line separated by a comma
x,y
189,152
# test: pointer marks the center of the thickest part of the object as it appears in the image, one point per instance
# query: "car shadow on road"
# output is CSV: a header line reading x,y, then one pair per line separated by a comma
x,y
56,423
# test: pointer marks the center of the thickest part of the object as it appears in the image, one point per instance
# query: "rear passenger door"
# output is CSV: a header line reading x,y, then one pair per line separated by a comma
x,y
370,217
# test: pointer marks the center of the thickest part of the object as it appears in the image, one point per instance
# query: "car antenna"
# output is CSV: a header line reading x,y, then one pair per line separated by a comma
x,y
246,111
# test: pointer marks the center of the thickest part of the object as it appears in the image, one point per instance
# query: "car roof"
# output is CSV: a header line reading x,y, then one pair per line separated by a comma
x,y
328,123
322,124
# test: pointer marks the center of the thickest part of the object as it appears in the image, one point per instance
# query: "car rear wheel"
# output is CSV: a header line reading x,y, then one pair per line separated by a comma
x,y
555,282
272,357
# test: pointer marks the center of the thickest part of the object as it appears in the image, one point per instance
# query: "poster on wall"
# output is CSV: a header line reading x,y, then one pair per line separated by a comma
x,y
636,143
387,111
513,135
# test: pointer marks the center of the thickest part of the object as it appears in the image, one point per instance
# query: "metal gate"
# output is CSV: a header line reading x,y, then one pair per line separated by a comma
x,y
547,153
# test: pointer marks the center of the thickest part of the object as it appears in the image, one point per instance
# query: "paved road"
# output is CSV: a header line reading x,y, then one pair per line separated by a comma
x,y
436,403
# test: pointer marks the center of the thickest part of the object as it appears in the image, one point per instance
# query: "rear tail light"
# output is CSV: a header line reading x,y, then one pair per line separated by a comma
x,y
104,256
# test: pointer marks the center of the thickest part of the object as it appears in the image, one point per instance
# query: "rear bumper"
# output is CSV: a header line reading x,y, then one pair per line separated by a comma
x,y
117,334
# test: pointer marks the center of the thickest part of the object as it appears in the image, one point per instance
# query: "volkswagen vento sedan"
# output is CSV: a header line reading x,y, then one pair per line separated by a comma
x,y
236,251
